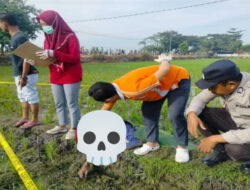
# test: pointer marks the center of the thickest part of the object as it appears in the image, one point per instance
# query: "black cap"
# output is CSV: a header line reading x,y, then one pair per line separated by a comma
x,y
217,72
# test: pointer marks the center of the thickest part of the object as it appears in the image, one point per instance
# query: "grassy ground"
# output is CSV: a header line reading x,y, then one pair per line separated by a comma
x,y
54,162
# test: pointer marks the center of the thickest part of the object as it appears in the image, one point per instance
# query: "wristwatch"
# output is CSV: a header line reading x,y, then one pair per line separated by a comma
x,y
24,78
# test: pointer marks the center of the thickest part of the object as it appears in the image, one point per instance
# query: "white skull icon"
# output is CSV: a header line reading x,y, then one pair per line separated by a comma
x,y
101,136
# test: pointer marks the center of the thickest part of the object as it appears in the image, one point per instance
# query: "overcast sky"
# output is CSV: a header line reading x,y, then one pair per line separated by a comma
x,y
127,32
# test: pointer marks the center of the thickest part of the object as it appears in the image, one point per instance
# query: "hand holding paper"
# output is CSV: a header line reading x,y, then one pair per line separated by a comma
x,y
45,54
30,61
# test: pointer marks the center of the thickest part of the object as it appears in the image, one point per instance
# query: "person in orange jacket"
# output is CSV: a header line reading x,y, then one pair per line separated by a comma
x,y
152,85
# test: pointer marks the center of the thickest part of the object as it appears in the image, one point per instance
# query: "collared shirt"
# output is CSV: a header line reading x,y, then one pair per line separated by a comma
x,y
238,106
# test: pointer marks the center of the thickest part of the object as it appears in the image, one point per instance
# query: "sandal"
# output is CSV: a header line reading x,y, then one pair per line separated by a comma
x,y
20,122
29,125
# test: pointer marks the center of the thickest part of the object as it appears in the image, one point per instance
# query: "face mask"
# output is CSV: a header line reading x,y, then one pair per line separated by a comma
x,y
48,29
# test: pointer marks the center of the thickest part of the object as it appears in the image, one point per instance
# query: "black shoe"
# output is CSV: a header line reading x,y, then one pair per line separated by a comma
x,y
245,168
219,155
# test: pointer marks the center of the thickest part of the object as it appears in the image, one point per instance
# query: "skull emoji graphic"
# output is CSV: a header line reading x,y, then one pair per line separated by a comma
x,y
101,136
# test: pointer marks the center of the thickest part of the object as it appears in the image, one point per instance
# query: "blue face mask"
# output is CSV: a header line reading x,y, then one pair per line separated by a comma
x,y
48,29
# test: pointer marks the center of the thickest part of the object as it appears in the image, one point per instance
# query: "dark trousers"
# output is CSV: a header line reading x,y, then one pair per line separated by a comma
x,y
177,100
218,119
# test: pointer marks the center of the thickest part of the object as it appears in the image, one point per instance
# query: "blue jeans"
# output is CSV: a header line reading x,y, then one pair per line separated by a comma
x,y
177,100
67,94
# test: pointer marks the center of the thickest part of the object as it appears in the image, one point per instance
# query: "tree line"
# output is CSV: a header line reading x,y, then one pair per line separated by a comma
x,y
229,42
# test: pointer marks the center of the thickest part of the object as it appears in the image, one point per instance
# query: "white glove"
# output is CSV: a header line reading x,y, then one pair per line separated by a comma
x,y
164,57
45,54
30,61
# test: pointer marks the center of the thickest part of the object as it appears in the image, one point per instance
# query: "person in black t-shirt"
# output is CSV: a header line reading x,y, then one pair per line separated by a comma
x,y
26,75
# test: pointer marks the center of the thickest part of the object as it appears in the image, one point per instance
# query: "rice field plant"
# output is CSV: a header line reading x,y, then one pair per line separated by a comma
x,y
25,144
50,151
156,171
129,110
50,113
10,139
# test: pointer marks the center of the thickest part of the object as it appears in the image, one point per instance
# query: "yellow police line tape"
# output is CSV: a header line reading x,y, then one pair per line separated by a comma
x,y
29,184
47,84
40,84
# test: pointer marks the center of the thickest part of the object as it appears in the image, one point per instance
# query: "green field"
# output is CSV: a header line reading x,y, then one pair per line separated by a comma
x,y
57,166
110,71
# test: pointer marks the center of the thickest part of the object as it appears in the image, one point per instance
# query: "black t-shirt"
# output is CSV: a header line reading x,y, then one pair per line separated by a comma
x,y
17,62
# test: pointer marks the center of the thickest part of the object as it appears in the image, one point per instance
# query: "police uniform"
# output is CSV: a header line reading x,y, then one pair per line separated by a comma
x,y
233,119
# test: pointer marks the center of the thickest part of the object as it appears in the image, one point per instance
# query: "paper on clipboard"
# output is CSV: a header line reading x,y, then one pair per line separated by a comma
x,y
28,51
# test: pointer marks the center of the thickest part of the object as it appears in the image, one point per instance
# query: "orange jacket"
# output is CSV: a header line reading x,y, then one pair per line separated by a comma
x,y
142,84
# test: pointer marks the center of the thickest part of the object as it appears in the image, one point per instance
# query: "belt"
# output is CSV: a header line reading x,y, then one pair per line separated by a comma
x,y
33,72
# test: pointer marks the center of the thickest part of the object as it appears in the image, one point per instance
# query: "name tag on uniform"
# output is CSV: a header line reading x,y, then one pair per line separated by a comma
x,y
240,90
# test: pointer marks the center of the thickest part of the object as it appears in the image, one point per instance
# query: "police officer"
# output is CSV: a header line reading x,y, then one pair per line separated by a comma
x,y
227,129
